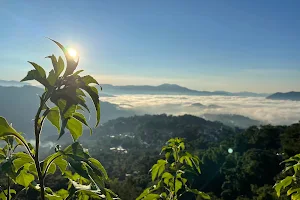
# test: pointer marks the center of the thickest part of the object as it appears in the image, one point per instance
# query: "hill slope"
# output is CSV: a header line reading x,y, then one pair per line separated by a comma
x,y
294,96
19,105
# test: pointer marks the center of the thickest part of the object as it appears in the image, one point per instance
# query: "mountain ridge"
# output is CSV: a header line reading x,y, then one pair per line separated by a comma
x,y
294,96
165,88
173,89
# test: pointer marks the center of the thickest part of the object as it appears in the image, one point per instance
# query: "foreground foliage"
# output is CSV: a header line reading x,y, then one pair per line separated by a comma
x,y
174,174
62,103
289,184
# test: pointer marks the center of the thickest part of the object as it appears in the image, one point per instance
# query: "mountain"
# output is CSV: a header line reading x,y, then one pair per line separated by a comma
x,y
19,105
171,89
12,83
232,120
294,96
154,130
174,89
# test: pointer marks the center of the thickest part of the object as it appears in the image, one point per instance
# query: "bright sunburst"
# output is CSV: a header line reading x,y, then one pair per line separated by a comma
x,y
72,52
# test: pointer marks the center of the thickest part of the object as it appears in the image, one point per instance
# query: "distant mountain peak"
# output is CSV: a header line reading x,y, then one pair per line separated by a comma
x,y
7,83
168,88
294,96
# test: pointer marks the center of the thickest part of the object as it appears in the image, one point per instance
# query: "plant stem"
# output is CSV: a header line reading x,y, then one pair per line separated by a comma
x,y
8,188
37,132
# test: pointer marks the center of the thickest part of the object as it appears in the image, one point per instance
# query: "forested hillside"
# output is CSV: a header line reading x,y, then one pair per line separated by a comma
x,y
236,164
249,172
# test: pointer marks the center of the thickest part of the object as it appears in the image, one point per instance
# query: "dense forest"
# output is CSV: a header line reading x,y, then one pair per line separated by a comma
x,y
236,163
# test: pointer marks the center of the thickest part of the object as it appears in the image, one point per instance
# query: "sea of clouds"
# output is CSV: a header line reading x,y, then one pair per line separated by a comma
x,y
259,108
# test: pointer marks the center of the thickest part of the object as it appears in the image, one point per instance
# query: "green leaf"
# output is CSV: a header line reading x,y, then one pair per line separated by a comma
x,y
151,197
54,159
75,128
295,196
178,185
99,166
54,62
7,130
54,116
291,191
34,75
88,80
69,112
158,169
98,181
62,164
52,169
3,194
204,195
53,197
24,178
108,192
52,78
78,72
187,160
167,177
76,149
80,117
93,92
201,194
21,159
60,66
71,64
63,193
39,69
283,184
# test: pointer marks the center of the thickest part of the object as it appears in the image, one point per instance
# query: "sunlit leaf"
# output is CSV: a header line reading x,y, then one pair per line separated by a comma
x,y
75,128
71,64
282,184
24,178
93,92
60,66
99,166
52,78
7,130
39,69
62,164
158,169
21,159
88,80
80,117
54,117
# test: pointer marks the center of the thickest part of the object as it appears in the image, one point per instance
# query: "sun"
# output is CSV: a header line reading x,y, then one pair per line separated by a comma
x,y
72,52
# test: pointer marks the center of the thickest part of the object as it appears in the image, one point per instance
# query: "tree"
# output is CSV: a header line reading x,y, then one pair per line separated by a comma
x,y
63,104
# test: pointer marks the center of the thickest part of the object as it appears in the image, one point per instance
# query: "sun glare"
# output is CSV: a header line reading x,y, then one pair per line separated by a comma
x,y
72,52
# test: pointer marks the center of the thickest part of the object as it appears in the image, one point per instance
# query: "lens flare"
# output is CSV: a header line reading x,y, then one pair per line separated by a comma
x,y
72,52
230,150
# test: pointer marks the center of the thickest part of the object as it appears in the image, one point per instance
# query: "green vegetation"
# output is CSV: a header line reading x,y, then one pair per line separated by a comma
x,y
174,174
62,103
249,172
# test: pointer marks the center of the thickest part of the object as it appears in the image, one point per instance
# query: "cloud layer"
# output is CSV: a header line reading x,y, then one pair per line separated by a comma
x,y
265,110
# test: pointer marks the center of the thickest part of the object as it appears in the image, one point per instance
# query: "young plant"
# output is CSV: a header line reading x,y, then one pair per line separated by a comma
x,y
6,154
62,103
174,174
293,167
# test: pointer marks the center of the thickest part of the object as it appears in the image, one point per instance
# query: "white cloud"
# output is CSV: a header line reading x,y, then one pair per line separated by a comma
x,y
265,110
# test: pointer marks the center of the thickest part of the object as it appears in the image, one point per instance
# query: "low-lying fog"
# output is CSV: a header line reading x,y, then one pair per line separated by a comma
x,y
259,108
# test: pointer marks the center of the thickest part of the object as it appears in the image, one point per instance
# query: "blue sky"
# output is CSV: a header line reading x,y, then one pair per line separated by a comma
x,y
205,45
